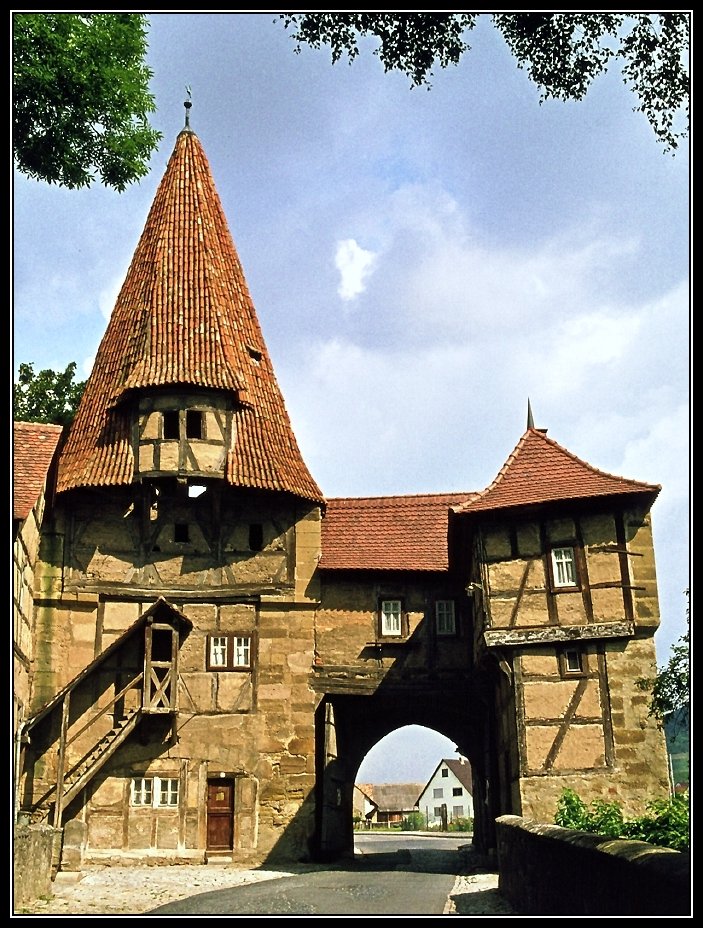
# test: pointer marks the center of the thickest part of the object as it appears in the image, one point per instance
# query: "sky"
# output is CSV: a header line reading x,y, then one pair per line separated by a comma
x,y
422,262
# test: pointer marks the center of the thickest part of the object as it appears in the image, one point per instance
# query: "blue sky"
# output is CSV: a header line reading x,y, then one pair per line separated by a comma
x,y
422,262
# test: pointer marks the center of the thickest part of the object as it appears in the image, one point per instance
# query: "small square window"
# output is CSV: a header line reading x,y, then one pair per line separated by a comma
x,y
445,772
571,661
256,536
457,812
180,532
444,613
392,618
438,793
142,791
168,791
457,791
564,567
438,811
229,652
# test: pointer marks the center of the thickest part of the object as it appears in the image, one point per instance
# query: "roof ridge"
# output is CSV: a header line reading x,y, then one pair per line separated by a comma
x,y
432,495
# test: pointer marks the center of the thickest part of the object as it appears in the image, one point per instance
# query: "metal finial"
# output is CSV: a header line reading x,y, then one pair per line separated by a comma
x,y
530,420
188,105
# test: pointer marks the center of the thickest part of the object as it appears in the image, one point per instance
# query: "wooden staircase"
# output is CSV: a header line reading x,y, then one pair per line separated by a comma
x,y
83,772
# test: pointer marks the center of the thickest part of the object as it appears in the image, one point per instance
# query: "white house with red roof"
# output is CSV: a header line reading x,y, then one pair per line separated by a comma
x,y
448,794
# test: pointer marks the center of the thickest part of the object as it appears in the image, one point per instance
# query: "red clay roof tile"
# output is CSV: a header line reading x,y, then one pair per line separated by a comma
x,y
33,448
539,471
184,317
388,532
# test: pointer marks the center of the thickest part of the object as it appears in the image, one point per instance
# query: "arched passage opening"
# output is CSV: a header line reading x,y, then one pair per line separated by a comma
x,y
416,779
348,727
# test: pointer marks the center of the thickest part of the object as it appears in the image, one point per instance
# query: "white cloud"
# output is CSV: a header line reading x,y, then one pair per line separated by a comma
x,y
108,295
354,264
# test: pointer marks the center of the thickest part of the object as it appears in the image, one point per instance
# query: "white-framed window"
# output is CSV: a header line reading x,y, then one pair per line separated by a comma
x,y
392,617
571,661
445,618
564,566
228,652
445,772
168,791
142,791
438,793
457,812
155,792
437,811
457,791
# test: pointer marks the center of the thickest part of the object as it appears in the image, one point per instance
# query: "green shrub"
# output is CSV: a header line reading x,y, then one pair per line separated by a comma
x,y
415,821
666,823
461,824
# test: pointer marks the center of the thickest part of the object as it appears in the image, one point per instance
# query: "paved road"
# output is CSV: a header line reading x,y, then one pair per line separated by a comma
x,y
403,875
395,878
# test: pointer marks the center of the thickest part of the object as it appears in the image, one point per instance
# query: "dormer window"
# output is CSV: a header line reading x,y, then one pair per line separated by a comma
x,y
171,430
194,423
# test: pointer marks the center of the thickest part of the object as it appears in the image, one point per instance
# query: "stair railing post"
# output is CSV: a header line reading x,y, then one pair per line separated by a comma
x,y
58,806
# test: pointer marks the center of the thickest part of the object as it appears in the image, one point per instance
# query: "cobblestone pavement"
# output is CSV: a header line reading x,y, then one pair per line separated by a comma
x,y
133,890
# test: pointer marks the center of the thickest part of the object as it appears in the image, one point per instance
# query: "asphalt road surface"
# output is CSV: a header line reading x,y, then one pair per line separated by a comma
x,y
403,875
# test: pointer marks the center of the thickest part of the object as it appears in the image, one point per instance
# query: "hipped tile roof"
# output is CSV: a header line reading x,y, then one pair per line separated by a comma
x,y
540,471
185,318
388,532
33,448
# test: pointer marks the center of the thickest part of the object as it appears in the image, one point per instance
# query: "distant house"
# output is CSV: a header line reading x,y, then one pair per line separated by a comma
x,y
390,803
449,786
363,806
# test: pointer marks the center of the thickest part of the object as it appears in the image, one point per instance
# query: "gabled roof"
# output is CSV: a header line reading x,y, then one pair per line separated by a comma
x,y
185,318
33,448
388,532
396,797
461,769
539,471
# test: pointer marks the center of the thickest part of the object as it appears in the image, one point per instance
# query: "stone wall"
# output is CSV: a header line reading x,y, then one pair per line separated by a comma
x,y
32,853
548,870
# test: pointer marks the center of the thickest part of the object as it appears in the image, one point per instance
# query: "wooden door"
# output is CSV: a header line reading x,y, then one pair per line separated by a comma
x,y
220,814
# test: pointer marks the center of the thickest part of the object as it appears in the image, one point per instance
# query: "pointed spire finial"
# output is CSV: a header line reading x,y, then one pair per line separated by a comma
x,y
188,105
530,420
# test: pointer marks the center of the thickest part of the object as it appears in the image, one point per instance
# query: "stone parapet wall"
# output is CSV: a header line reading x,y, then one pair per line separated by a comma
x,y
548,870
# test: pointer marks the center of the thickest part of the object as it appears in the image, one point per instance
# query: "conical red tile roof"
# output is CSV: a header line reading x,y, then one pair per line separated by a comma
x,y
539,471
184,317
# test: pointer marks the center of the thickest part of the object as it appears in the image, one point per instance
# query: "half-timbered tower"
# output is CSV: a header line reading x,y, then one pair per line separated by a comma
x,y
215,646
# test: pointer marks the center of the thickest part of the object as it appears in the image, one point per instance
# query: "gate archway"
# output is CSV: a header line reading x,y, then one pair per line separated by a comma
x,y
348,726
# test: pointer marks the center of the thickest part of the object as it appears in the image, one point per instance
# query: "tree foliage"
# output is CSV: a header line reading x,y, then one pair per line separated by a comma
x,y
49,396
81,98
561,52
671,688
